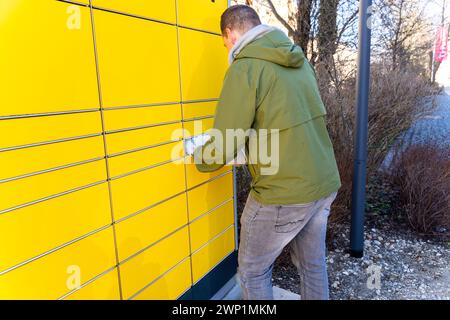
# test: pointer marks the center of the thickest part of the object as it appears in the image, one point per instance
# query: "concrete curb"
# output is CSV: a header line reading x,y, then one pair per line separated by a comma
x,y
232,291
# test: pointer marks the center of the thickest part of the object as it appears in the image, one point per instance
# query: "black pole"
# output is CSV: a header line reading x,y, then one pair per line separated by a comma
x,y
362,119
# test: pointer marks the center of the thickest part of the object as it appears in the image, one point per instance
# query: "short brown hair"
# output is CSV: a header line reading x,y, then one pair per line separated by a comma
x,y
239,17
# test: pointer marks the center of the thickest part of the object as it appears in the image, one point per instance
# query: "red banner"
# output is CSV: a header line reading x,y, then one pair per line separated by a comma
x,y
441,50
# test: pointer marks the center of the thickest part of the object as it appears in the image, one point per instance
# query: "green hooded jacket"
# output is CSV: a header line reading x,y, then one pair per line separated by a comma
x,y
271,85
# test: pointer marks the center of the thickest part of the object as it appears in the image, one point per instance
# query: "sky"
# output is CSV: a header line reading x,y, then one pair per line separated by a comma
x,y
433,10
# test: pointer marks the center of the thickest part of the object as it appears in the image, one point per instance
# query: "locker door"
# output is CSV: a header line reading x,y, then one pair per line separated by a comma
x,y
33,230
138,60
203,64
139,231
212,254
47,58
147,266
201,14
58,273
210,195
171,285
104,288
163,10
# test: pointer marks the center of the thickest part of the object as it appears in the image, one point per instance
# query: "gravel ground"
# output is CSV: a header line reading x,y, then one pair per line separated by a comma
x,y
410,268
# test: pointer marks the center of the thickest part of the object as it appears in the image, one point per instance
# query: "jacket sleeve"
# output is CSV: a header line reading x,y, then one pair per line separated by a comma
x,y
235,111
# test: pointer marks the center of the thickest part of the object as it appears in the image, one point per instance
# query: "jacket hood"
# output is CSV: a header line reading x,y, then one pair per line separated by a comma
x,y
275,47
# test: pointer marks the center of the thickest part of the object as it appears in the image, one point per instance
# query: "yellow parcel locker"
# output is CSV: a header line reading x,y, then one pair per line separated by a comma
x,y
35,130
118,119
104,288
210,195
202,72
140,231
197,127
199,109
170,286
163,10
123,141
211,225
148,265
145,158
78,1
58,273
201,14
195,177
212,254
25,161
47,57
141,190
47,225
38,187
94,127
138,60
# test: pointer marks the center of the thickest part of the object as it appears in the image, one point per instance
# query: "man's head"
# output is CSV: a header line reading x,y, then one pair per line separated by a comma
x,y
236,21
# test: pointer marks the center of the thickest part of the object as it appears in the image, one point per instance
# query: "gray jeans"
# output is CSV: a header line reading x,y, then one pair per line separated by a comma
x,y
267,229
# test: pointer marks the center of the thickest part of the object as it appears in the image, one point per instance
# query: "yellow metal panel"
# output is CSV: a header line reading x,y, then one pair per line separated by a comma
x,y
137,117
199,109
141,190
197,127
79,1
25,131
133,161
203,64
147,266
135,139
210,195
171,286
138,60
211,225
56,274
104,288
195,177
17,192
212,254
138,232
163,10
33,230
47,57
28,160
201,14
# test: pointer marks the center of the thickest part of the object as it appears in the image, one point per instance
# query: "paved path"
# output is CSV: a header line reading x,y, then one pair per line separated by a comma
x,y
434,127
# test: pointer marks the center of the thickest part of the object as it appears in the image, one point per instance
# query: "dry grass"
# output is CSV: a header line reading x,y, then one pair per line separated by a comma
x,y
421,175
396,101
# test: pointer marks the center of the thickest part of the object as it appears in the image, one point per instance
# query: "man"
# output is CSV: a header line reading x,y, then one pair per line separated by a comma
x,y
270,85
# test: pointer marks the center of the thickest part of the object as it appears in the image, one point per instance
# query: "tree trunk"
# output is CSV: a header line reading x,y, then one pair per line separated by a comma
x,y
327,36
302,36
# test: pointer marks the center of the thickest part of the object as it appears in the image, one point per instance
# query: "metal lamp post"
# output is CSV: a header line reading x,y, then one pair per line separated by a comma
x,y
360,160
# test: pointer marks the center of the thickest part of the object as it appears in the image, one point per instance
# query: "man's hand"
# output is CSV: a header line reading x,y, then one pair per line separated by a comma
x,y
193,143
